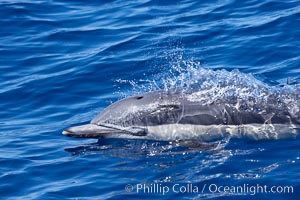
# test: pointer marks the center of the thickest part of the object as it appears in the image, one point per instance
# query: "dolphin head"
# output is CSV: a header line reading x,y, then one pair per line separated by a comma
x,y
131,116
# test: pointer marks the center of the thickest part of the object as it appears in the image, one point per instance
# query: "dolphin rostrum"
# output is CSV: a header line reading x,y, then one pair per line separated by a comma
x,y
171,114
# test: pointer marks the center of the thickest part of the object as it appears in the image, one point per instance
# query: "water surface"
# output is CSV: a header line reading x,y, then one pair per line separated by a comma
x,y
62,62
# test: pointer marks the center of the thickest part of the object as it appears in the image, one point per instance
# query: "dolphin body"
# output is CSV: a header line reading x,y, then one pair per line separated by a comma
x,y
169,115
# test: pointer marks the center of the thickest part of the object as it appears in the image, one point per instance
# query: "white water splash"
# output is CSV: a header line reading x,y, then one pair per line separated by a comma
x,y
208,86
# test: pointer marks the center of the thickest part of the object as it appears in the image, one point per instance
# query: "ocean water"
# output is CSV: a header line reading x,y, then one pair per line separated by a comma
x,y
62,62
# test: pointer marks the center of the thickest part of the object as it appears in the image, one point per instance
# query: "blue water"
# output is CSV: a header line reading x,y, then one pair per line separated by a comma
x,y
62,62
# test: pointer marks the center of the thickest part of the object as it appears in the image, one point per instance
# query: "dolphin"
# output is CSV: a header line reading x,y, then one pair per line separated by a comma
x,y
170,115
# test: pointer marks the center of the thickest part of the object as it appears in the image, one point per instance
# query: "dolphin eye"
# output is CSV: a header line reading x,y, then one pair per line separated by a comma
x,y
139,97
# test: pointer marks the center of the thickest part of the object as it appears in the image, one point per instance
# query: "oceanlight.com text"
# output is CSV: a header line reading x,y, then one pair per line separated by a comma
x,y
189,188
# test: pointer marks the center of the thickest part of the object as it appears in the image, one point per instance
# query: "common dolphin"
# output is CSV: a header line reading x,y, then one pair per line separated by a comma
x,y
168,115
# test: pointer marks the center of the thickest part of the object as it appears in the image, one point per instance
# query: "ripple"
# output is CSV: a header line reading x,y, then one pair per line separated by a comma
x,y
59,64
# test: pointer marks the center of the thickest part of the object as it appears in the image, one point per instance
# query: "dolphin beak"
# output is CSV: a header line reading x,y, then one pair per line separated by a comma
x,y
88,131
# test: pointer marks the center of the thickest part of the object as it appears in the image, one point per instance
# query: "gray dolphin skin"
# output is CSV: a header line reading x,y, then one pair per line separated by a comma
x,y
168,115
